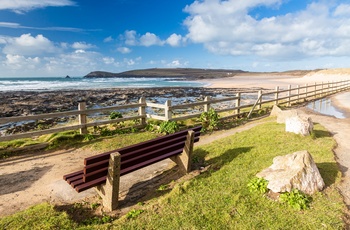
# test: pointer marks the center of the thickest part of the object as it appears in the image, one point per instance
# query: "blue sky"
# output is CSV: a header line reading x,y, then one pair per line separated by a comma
x,y
75,37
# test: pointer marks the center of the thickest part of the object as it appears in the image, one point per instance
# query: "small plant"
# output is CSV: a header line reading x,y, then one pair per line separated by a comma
x,y
258,185
96,220
168,127
163,187
94,205
115,115
296,199
88,137
210,120
134,213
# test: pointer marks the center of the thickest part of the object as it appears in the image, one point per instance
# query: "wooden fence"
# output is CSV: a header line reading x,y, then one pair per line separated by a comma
x,y
233,107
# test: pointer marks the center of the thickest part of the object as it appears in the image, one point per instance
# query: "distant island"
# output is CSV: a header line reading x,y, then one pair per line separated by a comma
x,y
184,73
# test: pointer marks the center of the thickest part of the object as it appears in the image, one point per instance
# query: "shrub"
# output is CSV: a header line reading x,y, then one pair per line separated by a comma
x,y
258,185
168,127
210,120
296,199
115,115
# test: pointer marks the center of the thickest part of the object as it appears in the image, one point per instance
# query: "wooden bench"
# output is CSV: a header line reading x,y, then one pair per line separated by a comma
x,y
103,171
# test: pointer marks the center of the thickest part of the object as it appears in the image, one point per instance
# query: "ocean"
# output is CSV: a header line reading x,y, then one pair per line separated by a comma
x,y
61,83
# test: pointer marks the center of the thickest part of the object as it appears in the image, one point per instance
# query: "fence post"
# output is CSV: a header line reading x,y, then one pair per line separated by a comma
x,y
276,95
289,94
322,89
298,93
207,106
238,103
315,94
142,110
168,113
306,89
259,98
82,116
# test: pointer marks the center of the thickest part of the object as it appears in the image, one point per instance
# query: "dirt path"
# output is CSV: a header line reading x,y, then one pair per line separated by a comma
x,y
340,128
33,179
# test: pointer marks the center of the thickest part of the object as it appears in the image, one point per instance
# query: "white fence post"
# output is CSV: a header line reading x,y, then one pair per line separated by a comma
x,y
207,106
82,117
168,112
142,110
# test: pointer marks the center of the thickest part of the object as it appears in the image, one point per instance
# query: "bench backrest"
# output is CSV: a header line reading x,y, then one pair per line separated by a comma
x,y
138,155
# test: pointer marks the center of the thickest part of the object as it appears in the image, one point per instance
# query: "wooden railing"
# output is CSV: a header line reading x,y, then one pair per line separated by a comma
x,y
234,106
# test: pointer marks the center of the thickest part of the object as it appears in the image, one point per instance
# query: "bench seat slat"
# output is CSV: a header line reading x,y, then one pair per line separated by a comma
x,y
90,184
65,177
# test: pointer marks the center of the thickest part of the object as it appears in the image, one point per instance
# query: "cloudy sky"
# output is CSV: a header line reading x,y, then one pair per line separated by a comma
x,y
75,37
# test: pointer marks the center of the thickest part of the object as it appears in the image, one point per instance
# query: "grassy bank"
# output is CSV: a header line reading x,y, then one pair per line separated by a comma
x,y
219,198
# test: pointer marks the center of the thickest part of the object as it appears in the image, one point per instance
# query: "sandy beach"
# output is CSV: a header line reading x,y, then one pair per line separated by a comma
x,y
270,81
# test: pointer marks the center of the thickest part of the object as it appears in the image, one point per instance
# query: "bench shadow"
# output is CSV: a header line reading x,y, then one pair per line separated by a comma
x,y
149,189
157,186
18,181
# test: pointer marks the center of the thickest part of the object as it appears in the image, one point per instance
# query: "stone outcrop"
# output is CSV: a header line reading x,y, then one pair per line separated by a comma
x,y
282,115
295,122
299,125
293,171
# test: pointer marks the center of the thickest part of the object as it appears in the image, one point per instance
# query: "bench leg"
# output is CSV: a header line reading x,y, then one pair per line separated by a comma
x,y
109,192
185,158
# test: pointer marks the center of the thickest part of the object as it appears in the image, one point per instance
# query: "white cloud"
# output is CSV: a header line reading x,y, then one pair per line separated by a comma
x,y
18,62
150,39
123,50
227,28
342,10
108,39
131,38
174,40
26,44
21,6
14,25
176,64
82,46
108,60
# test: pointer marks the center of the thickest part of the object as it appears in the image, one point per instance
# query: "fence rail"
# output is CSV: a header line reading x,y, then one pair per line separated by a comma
x,y
234,104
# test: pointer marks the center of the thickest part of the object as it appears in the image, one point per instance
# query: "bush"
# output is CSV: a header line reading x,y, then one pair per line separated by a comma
x,y
168,127
115,115
210,120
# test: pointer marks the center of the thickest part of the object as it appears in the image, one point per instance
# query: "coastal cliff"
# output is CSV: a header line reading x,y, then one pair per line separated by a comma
x,y
185,73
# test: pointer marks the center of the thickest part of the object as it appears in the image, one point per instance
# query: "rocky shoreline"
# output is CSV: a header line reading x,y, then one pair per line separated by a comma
x,y
23,103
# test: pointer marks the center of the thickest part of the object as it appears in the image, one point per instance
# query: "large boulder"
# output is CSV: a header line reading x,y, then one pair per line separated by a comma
x,y
282,115
293,171
299,125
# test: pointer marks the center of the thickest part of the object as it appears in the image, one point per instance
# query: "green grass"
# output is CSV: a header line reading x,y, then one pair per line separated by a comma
x,y
219,198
